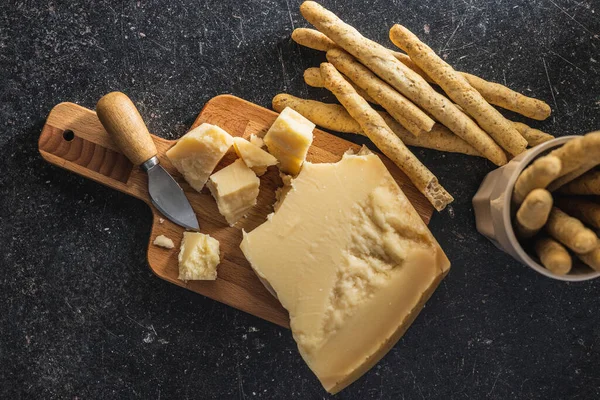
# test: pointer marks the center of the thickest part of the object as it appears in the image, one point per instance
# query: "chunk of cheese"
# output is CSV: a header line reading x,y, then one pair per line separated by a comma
x,y
257,141
235,188
253,156
198,152
288,139
163,241
351,260
198,257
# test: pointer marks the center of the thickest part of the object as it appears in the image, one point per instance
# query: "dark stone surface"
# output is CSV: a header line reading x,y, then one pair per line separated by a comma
x,y
82,316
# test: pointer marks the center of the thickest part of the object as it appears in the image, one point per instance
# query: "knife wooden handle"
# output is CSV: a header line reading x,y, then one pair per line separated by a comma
x,y
125,125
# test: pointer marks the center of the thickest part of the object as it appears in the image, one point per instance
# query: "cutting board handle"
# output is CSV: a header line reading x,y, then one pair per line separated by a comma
x,y
73,138
125,125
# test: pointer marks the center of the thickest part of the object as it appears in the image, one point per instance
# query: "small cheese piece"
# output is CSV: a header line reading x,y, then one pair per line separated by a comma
x,y
257,141
198,152
351,260
163,241
253,156
235,188
198,257
288,139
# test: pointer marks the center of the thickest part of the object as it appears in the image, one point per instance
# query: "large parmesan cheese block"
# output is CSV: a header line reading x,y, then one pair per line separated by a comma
x,y
198,152
288,139
351,260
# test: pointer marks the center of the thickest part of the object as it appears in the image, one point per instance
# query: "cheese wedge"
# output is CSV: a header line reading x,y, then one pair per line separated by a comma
x,y
198,257
288,139
253,156
235,188
351,260
198,152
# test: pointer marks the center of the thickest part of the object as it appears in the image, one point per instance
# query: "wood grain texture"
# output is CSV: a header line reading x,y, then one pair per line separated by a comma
x,y
93,154
125,125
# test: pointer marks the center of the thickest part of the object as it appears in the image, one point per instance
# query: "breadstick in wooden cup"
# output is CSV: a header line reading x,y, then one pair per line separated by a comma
x,y
570,232
591,259
578,156
586,210
533,213
460,90
553,256
536,176
381,135
379,60
403,110
588,184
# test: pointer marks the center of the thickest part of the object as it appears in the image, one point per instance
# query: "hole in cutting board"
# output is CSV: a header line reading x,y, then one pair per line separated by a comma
x,y
68,135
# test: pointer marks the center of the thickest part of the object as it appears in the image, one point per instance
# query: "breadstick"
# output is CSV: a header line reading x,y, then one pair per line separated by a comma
x,y
588,183
379,60
508,99
536,176
329,116
533,136
570,232
336,118
577,156
494,93
313,39
553,256
585,210
403,110
591,259
533,213
312,77
380,134
460,90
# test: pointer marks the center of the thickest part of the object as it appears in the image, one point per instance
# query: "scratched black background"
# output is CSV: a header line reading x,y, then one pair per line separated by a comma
x,y
81,315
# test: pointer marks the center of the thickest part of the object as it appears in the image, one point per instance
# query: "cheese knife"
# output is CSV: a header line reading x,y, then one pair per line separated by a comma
x,y
125,126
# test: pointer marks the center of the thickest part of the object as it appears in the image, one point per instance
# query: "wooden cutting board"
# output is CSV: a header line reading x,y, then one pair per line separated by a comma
x,y
74,139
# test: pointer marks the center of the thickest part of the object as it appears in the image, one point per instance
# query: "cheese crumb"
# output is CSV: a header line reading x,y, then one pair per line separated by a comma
x,y
163,241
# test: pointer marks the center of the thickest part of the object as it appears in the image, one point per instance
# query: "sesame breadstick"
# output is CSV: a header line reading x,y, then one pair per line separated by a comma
x,y
379,60
380,134
403,110
460,90
533,136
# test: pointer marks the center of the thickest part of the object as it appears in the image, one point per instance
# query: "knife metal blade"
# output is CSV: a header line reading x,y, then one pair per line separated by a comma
x,y
168,197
